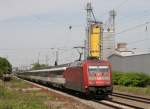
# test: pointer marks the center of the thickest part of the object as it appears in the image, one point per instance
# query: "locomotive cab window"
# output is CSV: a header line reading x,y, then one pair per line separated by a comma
x,y
98,69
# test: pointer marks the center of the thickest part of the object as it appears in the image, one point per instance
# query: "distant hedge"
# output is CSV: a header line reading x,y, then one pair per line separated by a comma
x,y
131,79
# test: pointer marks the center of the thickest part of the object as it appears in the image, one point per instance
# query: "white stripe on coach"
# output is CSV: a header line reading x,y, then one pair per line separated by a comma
x,y
52,69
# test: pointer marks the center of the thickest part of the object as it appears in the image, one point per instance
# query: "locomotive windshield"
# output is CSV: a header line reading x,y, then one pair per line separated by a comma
x,y
96,69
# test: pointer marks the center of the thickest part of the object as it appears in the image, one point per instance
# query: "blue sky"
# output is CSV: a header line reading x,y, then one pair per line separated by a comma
x,y
29,28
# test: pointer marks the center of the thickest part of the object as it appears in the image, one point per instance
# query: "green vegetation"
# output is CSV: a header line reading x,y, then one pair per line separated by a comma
x,y
37,66
5,66
131,82
12,96
131,79
17,83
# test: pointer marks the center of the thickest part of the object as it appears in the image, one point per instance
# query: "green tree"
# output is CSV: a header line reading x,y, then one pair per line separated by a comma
x,y
37,66
5,66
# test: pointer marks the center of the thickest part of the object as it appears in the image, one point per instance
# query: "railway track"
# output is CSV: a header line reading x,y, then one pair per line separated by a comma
x,y
118,105
96,104
132,97
134,101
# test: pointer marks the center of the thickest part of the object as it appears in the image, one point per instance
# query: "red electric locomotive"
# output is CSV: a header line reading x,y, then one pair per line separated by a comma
x,y
92,77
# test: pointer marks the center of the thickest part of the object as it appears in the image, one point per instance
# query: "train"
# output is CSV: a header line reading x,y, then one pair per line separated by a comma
x,y
89,77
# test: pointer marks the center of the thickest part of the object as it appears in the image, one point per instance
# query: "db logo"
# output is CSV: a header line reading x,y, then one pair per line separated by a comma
x,y
98,76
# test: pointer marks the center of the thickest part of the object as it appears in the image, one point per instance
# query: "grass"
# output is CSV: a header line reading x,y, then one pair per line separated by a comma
x,y
10,98
134,90
17,83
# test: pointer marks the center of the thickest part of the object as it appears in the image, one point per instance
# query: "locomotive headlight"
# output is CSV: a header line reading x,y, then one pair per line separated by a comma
x,y
92,78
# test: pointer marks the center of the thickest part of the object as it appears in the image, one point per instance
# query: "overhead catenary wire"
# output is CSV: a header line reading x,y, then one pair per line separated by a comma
x,y
137,41
132,28
116,7
51,48
123,3
134,19
142,40
93,16
120,5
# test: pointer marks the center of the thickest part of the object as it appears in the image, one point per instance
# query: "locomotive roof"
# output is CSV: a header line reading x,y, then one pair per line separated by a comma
x,y
65,66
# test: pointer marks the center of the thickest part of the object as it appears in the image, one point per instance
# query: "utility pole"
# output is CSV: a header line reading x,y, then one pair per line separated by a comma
x,y
57,55
46,59
88,20
89,11
112,15
38,60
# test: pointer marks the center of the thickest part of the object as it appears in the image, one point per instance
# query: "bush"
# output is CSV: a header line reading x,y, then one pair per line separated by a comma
x,y
37,66
116,76
5,66
131,79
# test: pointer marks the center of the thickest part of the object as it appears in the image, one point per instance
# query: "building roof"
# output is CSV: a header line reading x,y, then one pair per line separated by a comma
x,y
130,53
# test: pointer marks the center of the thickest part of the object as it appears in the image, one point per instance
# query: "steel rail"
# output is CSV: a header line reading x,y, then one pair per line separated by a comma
x,y
132,97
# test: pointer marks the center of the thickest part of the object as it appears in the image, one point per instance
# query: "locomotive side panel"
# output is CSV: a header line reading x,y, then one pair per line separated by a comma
x,y
74,78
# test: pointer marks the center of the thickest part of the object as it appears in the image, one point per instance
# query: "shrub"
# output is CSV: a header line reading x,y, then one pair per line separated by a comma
x,y
131,79
5,66
116,76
